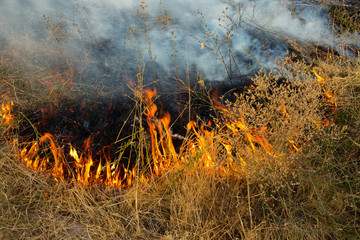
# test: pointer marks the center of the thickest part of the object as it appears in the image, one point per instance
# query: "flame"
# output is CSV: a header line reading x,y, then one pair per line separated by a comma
x,y
167,144
217,104
45,155
292,142
59,166
163,150
203,142
329,97
57,170
320,79
6,114
98,171
83,163
84,170
283,111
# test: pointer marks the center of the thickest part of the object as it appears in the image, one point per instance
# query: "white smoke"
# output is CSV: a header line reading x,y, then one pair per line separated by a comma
x,y
259,30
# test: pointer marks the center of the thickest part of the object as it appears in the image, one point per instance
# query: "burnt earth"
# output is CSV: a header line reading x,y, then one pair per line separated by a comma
x,y
72,121
75,121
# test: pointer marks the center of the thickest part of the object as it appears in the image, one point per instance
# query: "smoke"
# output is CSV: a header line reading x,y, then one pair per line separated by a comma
x,y
217,39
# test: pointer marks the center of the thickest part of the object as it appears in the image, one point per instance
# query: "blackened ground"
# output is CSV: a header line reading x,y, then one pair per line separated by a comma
x,y
72,121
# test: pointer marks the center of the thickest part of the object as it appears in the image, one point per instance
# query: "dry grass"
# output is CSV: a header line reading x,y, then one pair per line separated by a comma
x,y
313,193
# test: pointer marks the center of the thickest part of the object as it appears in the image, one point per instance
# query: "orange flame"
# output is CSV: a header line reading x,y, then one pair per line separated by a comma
x,y
6,114
320,79
163,150
83,163
328,96
203,143
31,155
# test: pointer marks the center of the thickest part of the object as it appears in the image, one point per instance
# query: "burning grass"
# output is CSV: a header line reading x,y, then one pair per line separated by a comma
x,y
229,144
277,160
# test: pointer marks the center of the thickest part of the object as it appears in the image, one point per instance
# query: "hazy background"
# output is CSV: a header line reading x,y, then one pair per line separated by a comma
x,y
94,36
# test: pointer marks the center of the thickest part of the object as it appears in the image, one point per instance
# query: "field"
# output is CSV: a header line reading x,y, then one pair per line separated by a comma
x,y
278,159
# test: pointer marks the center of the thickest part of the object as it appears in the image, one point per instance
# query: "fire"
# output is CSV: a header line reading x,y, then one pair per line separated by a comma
x,y
320,79
6,114
80,170
57,170
329,97
83,163
204,144
201,148
163,150
45,155
283,111
253,135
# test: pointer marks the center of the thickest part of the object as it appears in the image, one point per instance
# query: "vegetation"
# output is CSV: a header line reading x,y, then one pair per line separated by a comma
x,y
281,161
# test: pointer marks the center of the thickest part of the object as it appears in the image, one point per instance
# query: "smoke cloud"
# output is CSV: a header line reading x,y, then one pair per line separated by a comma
x,y
218,39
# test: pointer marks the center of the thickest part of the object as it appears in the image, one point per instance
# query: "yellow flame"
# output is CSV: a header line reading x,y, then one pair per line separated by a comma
x,y
74,154
6,114
320,79
202,146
